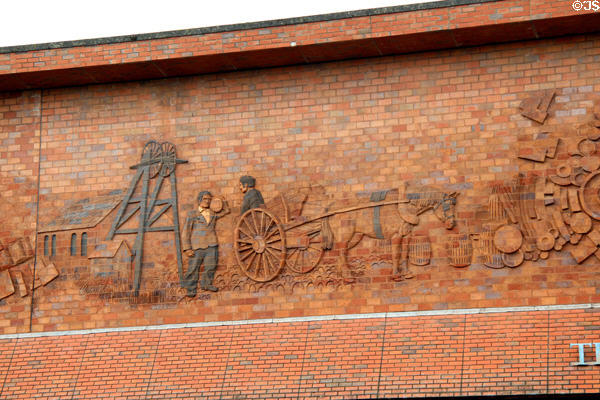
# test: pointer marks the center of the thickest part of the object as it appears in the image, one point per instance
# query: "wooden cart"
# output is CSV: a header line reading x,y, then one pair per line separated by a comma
x,y
268,239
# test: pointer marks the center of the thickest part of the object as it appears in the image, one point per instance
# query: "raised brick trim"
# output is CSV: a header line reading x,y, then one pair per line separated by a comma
x,y
406,314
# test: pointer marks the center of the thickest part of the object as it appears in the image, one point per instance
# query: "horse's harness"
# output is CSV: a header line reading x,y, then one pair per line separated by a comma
x,y
447,203
375,197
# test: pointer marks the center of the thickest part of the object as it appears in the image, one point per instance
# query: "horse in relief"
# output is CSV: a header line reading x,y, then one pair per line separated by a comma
x,y
390,221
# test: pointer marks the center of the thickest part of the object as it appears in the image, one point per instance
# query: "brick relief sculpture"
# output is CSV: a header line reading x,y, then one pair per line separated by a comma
x,y
301,237
264,243
536,108
531,216
279,235
13,254
200,242
106,235
392,218
158,160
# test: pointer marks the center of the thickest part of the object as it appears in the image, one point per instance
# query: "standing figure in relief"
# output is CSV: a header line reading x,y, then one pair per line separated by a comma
x,y
200,244
252,197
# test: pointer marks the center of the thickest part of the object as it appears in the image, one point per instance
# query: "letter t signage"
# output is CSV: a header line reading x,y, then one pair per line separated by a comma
x,y
582,353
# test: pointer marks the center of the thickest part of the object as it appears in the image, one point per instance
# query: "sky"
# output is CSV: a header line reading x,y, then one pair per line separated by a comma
x,y
44,21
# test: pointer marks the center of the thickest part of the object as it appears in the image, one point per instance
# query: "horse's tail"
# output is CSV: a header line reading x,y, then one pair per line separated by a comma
x,y
326,234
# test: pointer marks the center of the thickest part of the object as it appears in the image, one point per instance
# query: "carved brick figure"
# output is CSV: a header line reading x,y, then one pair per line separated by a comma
x,y
252,197
200,244
390,219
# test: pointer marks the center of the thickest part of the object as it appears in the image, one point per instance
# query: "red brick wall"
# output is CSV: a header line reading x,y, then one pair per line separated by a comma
x,y
238,42
523,352
19,161
449,118
19,155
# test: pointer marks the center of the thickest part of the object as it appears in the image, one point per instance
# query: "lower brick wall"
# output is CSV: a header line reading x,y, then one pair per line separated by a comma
x,y
423,356
494,352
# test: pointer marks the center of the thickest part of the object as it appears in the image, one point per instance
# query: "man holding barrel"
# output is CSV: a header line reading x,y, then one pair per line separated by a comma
x,y
200,242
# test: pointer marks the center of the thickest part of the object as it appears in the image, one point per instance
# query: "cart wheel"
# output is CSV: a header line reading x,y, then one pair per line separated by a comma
x,y
152,152
259,244
168,159
304,259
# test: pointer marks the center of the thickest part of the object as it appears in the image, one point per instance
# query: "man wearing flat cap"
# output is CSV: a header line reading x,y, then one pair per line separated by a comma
x,y
200,244
252,197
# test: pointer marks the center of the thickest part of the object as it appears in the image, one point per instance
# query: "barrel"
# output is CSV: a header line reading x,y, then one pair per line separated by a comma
x,y
419,250
460,250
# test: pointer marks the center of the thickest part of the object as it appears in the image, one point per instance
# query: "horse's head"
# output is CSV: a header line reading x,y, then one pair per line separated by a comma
x,y
444,210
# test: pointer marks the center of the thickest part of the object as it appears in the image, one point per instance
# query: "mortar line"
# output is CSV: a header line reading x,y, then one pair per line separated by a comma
x,y
462,360
548,355
37,211
9,367
87,341
303,358
153,362
227,362
382,352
